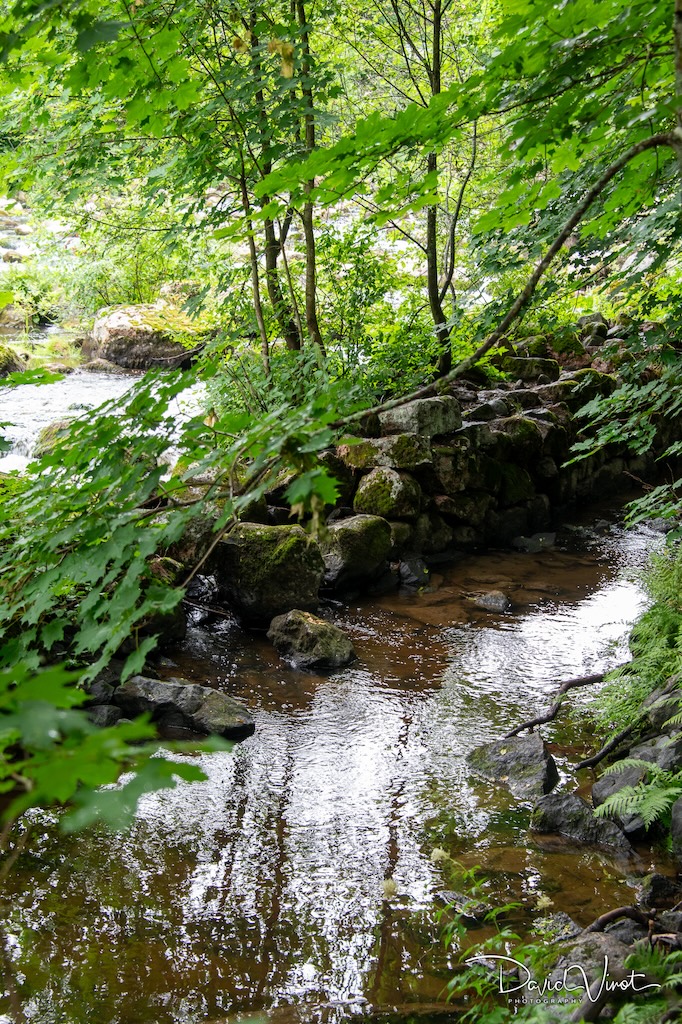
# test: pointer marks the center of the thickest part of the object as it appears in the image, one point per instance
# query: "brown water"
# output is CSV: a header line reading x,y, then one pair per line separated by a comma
x,y
260,893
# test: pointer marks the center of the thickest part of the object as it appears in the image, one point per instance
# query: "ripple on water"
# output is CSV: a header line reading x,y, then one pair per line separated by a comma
x,y
264,886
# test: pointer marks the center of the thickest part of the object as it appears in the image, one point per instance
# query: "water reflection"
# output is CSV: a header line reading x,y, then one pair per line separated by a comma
x,y
264,888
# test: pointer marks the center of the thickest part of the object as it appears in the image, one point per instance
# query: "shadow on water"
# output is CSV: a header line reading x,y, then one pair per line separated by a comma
x,y
300,881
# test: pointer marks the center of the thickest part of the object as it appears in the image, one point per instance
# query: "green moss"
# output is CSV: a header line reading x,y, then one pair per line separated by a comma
x,y
517,485
10,362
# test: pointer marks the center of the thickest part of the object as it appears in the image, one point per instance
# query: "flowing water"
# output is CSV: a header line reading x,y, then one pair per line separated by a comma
x,y
301,880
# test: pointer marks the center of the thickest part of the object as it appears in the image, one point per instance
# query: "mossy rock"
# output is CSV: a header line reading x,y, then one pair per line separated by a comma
x,y
589,384
431,534
517,484
10,362
385,492
532,368
425,416
355,550
308,642
264,571
398,451
141,337
524,435
522,763
49,437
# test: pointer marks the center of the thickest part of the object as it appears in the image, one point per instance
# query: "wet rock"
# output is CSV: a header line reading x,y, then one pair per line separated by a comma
x,y
264,571
355,550
567,815
489,410
175,701
10,362
560,927
306,641
389,494
661,707
425,416
658,890
401,538
463,905
398,451
521,763
503,526
413,573
664,751
493,601
139,337
533,545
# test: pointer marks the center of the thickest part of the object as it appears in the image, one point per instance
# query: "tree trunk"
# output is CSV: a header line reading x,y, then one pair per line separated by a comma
x,y
308,225
433,288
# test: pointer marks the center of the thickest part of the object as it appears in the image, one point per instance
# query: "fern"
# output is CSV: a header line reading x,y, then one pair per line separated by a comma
x,y
651,798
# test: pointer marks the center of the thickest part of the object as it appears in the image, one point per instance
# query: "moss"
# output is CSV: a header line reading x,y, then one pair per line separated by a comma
x,y
389,494
10,362
49,437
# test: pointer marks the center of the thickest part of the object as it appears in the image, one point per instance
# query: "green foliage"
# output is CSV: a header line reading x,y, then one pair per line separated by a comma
x,y
651,799
51,755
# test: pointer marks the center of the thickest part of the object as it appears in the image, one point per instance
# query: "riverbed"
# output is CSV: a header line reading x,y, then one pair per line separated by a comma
x,y
302,880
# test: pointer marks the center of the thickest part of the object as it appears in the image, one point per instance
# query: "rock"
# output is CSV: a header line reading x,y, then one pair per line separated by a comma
x,y
470,507
613,782
592,318
140,337
104,715
501,527
524,434
521,763
264,571
489,411
49,437
389,494
355,550
493,601
533,545
516,484
425,416
431,534
567,815
103,366
531,368
676,832
306,641
594,953
10,362
401,538
658,891
413,573
664,751
398,451
175,701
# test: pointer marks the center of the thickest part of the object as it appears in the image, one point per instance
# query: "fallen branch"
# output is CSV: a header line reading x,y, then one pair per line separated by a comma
x,y
570,684
615,915
590,762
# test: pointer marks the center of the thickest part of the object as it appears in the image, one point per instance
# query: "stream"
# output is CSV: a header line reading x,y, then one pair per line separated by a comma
x,y
301,880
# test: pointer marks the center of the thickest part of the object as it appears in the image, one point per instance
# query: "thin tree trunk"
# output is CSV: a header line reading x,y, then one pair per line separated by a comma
x,y
435,303
308,224
255,280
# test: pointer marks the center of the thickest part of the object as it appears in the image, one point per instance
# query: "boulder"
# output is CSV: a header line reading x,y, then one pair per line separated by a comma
x,y
613,782
306,641
103,366
10,362
398,451
49,437
521,763
523,433
355,550
264,571
426,416
385,492
177,702
567,815
140,337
